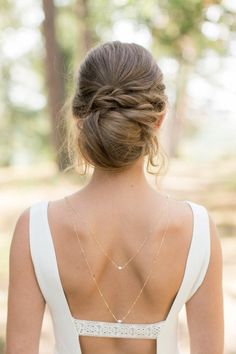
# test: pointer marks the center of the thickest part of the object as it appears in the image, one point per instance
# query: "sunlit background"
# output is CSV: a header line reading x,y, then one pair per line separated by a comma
x,y
194,43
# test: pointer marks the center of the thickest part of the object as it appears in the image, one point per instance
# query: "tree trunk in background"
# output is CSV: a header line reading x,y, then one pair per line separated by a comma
x,y
178,114
55,82
85,40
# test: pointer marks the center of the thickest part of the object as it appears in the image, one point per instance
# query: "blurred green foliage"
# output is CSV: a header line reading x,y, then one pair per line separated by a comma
x,y
175,27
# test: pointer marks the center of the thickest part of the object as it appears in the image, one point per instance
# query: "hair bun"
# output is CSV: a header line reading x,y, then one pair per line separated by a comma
x,y
115,121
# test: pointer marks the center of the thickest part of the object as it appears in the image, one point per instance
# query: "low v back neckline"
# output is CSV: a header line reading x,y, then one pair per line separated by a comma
x,y
178,294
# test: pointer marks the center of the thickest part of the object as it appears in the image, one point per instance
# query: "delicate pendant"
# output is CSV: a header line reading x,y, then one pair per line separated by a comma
x,y
120,267
119,321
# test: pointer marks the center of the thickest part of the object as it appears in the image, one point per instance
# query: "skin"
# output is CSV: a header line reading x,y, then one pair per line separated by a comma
x,y
26,304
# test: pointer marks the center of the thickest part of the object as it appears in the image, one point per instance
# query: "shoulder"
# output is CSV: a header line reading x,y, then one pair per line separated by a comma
x,y
181,221
209,240
213,234
207,248
19,248
22,225
59,213
20,239
183,214
183,211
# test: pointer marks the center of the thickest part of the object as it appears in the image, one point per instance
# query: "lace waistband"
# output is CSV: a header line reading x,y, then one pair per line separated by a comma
x,y
119,330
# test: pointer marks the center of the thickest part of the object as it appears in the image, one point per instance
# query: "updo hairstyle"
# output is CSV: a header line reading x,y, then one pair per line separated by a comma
x,y
119,97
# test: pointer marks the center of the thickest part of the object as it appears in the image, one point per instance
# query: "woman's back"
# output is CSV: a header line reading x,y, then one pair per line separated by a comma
x,y
121,231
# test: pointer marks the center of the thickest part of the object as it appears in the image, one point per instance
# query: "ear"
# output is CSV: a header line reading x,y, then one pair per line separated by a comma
x,y
159,121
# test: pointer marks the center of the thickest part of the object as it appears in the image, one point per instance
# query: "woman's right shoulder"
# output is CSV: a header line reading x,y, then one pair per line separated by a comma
x,y
182,212
182,220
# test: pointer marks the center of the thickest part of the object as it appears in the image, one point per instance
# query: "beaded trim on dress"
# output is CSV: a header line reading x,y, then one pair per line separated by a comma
x,y
119,330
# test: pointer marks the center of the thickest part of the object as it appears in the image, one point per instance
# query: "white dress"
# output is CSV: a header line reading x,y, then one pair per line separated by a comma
x,y
67,328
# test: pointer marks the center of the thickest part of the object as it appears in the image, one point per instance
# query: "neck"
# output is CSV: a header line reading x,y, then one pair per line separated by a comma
x,y
133,177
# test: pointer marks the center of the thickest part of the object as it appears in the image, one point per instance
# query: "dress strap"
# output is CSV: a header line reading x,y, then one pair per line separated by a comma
x,y
197,259
201,252
195,270
46,271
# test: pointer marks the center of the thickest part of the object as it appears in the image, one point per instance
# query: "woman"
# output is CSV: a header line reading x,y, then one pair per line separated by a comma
x,y
116,260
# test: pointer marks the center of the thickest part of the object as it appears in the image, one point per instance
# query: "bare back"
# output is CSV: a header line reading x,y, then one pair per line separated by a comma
x,y
121,232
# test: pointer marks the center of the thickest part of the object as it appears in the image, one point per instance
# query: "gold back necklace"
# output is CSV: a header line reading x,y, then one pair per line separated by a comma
x,y
146,280
117,265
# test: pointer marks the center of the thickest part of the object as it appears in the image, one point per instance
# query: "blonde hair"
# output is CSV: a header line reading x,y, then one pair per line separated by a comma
x,y
119,97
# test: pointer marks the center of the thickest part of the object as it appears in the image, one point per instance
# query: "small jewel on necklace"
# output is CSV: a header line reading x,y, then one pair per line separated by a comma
x,y
119,321
120,267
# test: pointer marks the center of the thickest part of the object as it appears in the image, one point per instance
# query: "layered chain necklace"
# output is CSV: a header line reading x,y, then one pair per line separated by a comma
x,y
156,254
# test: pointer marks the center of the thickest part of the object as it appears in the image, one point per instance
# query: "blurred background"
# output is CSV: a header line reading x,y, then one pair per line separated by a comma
x,y
194,42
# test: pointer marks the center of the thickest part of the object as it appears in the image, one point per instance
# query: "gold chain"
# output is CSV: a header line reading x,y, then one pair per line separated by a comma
x,y
147,278
118,266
